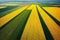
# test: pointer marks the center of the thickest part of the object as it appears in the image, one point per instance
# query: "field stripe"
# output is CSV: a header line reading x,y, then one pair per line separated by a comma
x,y
2,7
52,26
13,30
33,29
7,18
54,11
46,30
55,20
30,8
8,10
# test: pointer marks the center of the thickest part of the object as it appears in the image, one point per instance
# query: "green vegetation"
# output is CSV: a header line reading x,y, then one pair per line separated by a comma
x,y
7,10
14,28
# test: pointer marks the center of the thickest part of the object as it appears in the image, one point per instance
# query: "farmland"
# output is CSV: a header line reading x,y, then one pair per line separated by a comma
x,y
29,21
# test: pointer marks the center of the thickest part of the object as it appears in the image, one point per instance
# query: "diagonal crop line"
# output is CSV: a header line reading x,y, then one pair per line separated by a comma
x,y
33,29
7,18
9,10
46,30
14,29
55,20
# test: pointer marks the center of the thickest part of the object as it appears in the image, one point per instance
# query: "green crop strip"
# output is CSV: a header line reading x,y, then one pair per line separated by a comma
x,y
44,26
7,10
14,29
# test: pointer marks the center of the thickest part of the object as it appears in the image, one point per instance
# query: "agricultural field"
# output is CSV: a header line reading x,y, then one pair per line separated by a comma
x,y
34,21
